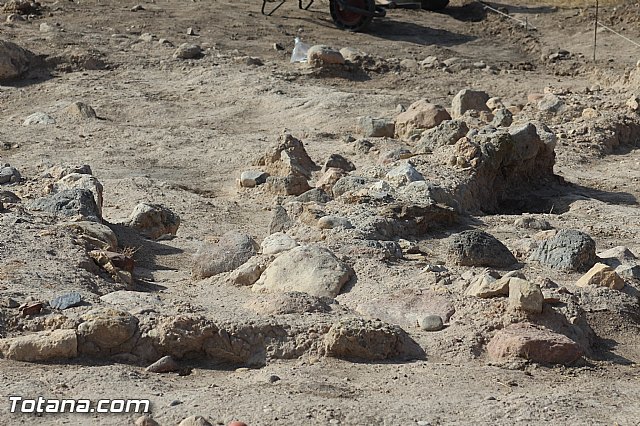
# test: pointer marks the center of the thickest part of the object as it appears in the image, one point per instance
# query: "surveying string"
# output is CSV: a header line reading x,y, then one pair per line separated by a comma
x,y
523,23
618,34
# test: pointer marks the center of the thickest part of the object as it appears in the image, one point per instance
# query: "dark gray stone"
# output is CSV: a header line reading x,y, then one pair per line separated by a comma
x,y
69,202
478,248
9,197
502,117
569,250
280,220
65,301
9,174
316,195
339,162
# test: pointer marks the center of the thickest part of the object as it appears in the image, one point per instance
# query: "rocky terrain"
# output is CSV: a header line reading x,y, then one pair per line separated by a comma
x,y
433,222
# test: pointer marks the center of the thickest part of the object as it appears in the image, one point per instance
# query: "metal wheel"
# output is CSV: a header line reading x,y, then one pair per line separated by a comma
x,y
352,15
434,5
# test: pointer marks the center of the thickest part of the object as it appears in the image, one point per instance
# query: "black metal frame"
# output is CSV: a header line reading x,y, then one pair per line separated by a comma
x,y
264,3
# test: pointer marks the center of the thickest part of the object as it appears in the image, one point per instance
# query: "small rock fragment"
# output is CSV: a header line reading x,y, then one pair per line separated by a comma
x,y
331,222
601,275
188,51
319,56
146,421
166,364
195,421
253,178
339,162
525,296
370,127
80,110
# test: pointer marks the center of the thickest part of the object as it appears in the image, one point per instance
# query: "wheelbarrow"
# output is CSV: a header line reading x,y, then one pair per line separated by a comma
x,y
356,15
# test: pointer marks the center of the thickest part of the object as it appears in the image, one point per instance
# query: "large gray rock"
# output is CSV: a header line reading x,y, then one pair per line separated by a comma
x,y
41,346
403,174
188,51
478,248
14,60
371,127
446,133
233,249
69,202
82,181
277,243
9,174
287,185
359,339
551,103
617,256
569,250
349,183
502,117
468,99
154,220
39,118
310,269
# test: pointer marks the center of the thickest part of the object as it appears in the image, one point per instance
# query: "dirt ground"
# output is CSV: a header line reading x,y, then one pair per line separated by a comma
x,y
180,132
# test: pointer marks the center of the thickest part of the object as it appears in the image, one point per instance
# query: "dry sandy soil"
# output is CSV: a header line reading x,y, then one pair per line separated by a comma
x,y
180,132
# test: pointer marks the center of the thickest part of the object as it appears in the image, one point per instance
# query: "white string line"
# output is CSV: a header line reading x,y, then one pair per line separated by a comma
x,y
618,34
523,23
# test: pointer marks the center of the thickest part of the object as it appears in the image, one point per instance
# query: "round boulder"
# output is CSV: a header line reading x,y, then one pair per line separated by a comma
x,y
478,248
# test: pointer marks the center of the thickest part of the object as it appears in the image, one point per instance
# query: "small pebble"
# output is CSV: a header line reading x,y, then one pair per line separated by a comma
x,y
431,323
273,378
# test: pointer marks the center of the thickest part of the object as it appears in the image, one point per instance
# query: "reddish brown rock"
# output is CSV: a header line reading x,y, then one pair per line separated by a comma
x,y
533,343
420,115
